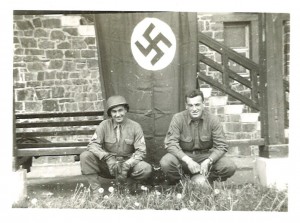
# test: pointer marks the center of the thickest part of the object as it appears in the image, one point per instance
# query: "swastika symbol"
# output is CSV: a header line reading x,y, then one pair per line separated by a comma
x,y
153,44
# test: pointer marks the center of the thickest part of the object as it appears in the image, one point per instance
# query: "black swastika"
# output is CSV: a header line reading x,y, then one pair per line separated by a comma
x,y
153,44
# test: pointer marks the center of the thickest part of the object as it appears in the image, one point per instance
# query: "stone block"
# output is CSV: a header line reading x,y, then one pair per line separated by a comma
x,y
34,52
90,40
51,23
37,22
272,172
50,75
88,53
54,54
28,42
233,109
46,44
42,93
70,20
58,92
57,35
25,94
64,45
86,30
218,101
249,117
232,127
86,106
71,31
55,170
55,64
244,150
35,66
92,63
72,54
50,105
24,25
69,66
249,127
33,84
40,33
79,44
62,75
33,106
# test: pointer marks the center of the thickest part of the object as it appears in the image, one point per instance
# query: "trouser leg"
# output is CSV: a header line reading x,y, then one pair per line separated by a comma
x,y
171,166
222,169
141,171
90,169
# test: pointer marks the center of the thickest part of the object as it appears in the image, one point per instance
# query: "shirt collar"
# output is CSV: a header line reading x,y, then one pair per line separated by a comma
x,y
203,116
114,124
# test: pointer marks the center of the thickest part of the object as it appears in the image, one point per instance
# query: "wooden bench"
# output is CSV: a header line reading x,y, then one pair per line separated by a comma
x,y
53,134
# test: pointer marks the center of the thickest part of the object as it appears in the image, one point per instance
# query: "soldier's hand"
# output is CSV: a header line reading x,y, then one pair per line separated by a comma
x,y
112,165
122,176
193,166
204,167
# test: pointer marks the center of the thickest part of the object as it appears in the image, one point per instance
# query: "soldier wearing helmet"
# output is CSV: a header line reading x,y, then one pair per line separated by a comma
x,y
116,150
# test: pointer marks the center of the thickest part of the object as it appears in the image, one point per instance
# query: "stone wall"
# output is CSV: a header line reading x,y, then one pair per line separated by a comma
x,y
55,64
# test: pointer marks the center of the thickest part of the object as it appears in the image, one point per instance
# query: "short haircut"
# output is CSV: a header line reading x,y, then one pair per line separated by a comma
x,y
126,106
194,93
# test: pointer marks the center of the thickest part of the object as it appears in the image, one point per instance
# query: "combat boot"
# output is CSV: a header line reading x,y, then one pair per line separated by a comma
x,y
95,185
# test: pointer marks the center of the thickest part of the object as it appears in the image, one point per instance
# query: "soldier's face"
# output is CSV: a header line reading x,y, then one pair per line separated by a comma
x,y
118,113
194,106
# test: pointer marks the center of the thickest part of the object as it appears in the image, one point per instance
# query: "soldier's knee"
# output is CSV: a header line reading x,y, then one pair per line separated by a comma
x,y
166,161
231,168
86,155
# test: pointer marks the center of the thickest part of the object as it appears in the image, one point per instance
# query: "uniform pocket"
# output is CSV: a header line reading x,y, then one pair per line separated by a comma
x,y
128,147
110,144
206,141
186,142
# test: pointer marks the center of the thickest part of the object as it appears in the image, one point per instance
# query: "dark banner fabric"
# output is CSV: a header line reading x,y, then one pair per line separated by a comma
x,y
150,59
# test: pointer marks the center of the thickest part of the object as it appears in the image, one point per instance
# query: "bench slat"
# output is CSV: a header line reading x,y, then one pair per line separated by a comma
x,y
59,114
48,145
51,151
57,124
56,133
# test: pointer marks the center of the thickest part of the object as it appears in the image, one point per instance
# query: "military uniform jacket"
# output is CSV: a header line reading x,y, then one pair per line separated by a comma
x,y
131,143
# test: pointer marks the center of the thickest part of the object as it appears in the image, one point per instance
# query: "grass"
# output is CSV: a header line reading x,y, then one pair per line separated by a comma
x,y
185,195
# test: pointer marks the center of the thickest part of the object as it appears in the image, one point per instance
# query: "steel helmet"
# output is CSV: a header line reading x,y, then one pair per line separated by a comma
x,y
114,101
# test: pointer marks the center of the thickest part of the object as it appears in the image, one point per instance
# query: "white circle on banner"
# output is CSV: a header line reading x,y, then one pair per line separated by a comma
x,y
153,44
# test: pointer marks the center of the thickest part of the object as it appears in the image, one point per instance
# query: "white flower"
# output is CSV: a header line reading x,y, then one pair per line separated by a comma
x,y
137,204
100,190
81,185
217,191
34,201
157,193
111,189
105,197
178,196
144,188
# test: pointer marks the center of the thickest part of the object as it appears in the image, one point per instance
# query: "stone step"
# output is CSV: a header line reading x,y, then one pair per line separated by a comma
x,y
249,117
216,101
233,109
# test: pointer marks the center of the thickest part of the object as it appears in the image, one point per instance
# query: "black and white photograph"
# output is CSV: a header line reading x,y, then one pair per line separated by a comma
x,y
175,113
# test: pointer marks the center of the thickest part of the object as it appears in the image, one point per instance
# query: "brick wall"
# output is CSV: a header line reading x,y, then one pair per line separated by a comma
x,y
55,64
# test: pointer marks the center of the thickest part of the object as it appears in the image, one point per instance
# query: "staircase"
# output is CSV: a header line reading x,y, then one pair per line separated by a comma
x,y
241,129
